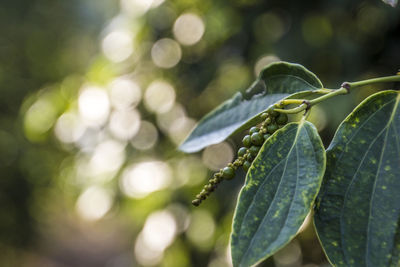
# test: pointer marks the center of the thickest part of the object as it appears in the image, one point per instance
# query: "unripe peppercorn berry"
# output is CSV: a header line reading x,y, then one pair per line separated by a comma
x,y
242,151
264,115
282,119
196,202
246,165
273,113
246,141
257,139
228,173
268,121
253,130
272,128
249,157
254,150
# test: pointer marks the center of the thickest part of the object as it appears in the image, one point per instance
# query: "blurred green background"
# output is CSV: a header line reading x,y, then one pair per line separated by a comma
x,y
96,96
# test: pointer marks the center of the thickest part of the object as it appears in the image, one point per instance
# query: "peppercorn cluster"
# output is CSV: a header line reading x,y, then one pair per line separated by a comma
x,y
252,143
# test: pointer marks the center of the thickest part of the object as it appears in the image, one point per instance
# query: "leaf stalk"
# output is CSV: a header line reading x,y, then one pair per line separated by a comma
x,y
329,93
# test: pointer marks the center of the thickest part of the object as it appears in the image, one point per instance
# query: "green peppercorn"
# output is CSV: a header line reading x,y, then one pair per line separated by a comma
x,y
246,141
268,121
208,187
246,165
228,173
257,139
273,113
237,163
264,115
272,128
266,136
242,151
196,202
253,130
249,157
282,119
262,130
254,150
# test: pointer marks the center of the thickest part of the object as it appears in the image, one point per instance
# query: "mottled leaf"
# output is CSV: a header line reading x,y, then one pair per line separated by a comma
x,y
279,191
358,209
393,3
276,81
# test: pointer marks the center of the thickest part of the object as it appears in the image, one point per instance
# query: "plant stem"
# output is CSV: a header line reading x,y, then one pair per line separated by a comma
x,y
341,91
394,78
329,93
291,101
292,110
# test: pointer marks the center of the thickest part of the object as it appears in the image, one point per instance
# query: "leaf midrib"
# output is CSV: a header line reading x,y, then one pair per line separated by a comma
x,y
279,185
377,177
258,189
352,180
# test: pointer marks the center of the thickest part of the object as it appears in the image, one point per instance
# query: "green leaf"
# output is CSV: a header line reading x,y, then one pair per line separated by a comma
x,y
358,209
276,81
393,3
278,194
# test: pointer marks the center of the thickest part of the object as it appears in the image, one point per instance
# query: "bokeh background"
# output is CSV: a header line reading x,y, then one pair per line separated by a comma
x,y
97,95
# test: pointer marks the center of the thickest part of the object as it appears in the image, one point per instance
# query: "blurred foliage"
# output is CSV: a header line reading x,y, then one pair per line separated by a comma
x,y
96,95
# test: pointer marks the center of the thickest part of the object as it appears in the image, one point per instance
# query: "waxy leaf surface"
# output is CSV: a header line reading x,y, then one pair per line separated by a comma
x,y
358,209
280,189
276,81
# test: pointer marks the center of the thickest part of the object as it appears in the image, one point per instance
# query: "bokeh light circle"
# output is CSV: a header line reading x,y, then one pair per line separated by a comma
x,y
166,53
118,45
159,96
188,29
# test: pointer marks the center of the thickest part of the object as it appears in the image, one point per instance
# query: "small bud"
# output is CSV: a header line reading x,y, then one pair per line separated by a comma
x,y
196,202
238,163
346,85
264,115
214,181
